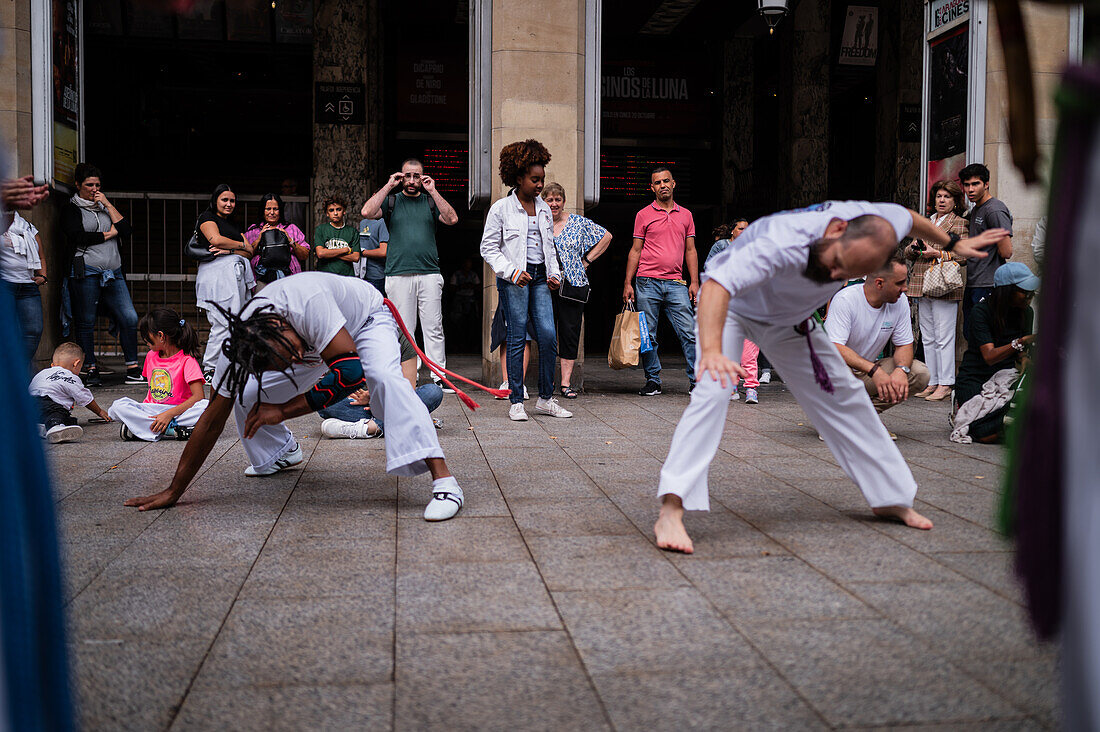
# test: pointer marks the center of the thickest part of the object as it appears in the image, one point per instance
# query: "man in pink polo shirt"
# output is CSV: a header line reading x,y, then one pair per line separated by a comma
x,y
664,238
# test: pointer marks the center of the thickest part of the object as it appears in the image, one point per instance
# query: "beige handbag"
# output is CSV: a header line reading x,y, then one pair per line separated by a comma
x,y
943,278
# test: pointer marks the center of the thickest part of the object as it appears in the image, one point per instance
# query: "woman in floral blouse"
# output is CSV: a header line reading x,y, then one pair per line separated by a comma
x,y
579,242
937,315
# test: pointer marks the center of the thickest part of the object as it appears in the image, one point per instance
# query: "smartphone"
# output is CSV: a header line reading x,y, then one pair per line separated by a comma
x,y
78,268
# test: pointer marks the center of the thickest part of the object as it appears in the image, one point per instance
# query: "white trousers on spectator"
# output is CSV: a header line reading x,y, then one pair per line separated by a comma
x,y
845,419
937,320
138,416
219,332
410,434
421,295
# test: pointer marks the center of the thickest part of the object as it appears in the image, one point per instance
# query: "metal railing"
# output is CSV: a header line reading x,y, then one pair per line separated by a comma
x,y
158,272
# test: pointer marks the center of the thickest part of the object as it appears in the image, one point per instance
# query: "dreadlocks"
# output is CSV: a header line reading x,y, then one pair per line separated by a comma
x,y
255,344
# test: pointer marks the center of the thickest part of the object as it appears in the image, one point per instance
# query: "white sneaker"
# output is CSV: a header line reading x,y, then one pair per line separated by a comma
x,y
517,413
735,395
446,500
294,457
505,386
338,428
446,389
765,376
551,407
64,433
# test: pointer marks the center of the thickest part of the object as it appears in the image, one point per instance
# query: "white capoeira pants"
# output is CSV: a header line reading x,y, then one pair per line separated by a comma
x,y
138,416
845,419
410,434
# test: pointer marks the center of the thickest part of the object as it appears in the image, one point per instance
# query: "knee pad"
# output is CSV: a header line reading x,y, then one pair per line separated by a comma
x,y
345,376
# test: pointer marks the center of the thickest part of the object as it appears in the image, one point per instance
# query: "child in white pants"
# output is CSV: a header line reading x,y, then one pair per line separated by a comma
x,y
176,398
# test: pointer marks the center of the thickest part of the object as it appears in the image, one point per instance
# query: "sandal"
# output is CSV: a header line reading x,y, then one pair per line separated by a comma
x,y
569,392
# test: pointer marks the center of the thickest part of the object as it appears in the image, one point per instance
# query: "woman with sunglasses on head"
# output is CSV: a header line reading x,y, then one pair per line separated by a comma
x,y
288,254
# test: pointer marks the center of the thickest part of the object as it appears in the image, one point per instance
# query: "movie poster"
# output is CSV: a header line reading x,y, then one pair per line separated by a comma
x,y
947,103
859,44
66,89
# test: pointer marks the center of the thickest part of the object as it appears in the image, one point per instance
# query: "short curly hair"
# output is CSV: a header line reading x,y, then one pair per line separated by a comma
x,y
334,198
517,158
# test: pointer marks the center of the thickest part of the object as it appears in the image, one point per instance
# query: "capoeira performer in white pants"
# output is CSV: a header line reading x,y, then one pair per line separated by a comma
x,y
764,288
302,344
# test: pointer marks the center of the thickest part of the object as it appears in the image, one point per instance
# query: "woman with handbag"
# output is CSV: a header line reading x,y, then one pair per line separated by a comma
x,y
277,256
936,284
93,228
225,277
579,242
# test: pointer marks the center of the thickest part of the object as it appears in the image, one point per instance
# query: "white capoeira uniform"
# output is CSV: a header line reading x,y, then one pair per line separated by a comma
x,y
317,305
138,416
769,297
226,280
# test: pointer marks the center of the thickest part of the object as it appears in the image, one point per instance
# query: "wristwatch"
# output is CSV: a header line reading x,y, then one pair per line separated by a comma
x,y
952,240
906,369
1018,345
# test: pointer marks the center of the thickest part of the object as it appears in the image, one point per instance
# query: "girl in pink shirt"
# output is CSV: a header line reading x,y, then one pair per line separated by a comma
x,y
176,398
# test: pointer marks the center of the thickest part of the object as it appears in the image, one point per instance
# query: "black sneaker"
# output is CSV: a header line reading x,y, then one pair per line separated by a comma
x,y
133,375
183,433
92,377
651,388
125,433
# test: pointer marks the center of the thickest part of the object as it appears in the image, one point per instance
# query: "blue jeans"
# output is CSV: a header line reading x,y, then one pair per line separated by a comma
x,y
430,394
971,297
28,309
653,295
520,303
86,292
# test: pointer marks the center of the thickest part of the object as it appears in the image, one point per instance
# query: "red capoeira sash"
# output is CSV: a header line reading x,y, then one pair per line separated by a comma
x,y
439,370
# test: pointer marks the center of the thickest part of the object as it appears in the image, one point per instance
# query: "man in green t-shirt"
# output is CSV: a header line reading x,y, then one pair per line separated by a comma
x,y
336,242
413,280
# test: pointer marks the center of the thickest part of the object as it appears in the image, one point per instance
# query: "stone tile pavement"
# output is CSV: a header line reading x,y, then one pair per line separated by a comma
x,y
318,598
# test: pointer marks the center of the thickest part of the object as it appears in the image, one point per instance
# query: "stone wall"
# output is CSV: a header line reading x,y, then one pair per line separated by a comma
x,y
900,60
1048,39
804,154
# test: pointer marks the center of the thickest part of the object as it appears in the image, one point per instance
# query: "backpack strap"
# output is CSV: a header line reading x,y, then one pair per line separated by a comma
x,y
388,206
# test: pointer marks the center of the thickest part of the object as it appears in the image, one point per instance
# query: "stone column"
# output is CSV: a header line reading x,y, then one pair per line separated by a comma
x,y
738,191
537,92
898,82
1048,42
346,158
804,157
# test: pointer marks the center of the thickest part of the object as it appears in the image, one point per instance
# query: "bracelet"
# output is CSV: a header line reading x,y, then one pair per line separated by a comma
x,y
874,368
585,259
1018,345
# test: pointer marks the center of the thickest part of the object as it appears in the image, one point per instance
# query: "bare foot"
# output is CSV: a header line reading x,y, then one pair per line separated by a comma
x,y
670,531
907,516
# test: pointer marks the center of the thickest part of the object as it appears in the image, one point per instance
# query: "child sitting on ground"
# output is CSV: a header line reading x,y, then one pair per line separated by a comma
x,y
176,399
59,388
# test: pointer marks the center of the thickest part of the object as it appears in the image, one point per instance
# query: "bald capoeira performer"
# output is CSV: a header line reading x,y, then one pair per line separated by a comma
x,y
305,343
765,287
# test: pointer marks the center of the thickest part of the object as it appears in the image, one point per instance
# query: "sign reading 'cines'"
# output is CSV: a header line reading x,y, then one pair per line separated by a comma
x,y
629,86
947,11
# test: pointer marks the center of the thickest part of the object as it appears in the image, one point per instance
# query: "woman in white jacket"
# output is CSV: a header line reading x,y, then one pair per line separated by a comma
x,y
518,244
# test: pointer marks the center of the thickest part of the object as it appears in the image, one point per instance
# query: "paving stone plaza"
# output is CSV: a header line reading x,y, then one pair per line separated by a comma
x,y
319,598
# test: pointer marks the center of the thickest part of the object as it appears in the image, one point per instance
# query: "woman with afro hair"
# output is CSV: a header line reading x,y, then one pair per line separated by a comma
x,y
518,244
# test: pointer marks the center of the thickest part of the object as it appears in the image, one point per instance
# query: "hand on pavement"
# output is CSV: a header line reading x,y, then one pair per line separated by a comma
x,y
165,499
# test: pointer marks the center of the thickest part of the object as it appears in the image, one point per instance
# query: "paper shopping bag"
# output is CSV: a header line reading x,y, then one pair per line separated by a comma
x,y
626,339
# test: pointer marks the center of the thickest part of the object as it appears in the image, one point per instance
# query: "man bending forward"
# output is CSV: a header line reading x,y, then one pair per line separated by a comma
x,y
303,344
765,287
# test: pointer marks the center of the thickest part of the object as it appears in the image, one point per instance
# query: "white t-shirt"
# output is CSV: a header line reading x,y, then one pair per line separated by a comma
x,y
316,305
534,241
62,386
854,323
13,267
762,269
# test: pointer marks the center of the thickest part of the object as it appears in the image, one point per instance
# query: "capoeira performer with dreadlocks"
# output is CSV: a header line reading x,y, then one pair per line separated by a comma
x,y
302,344
765,287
